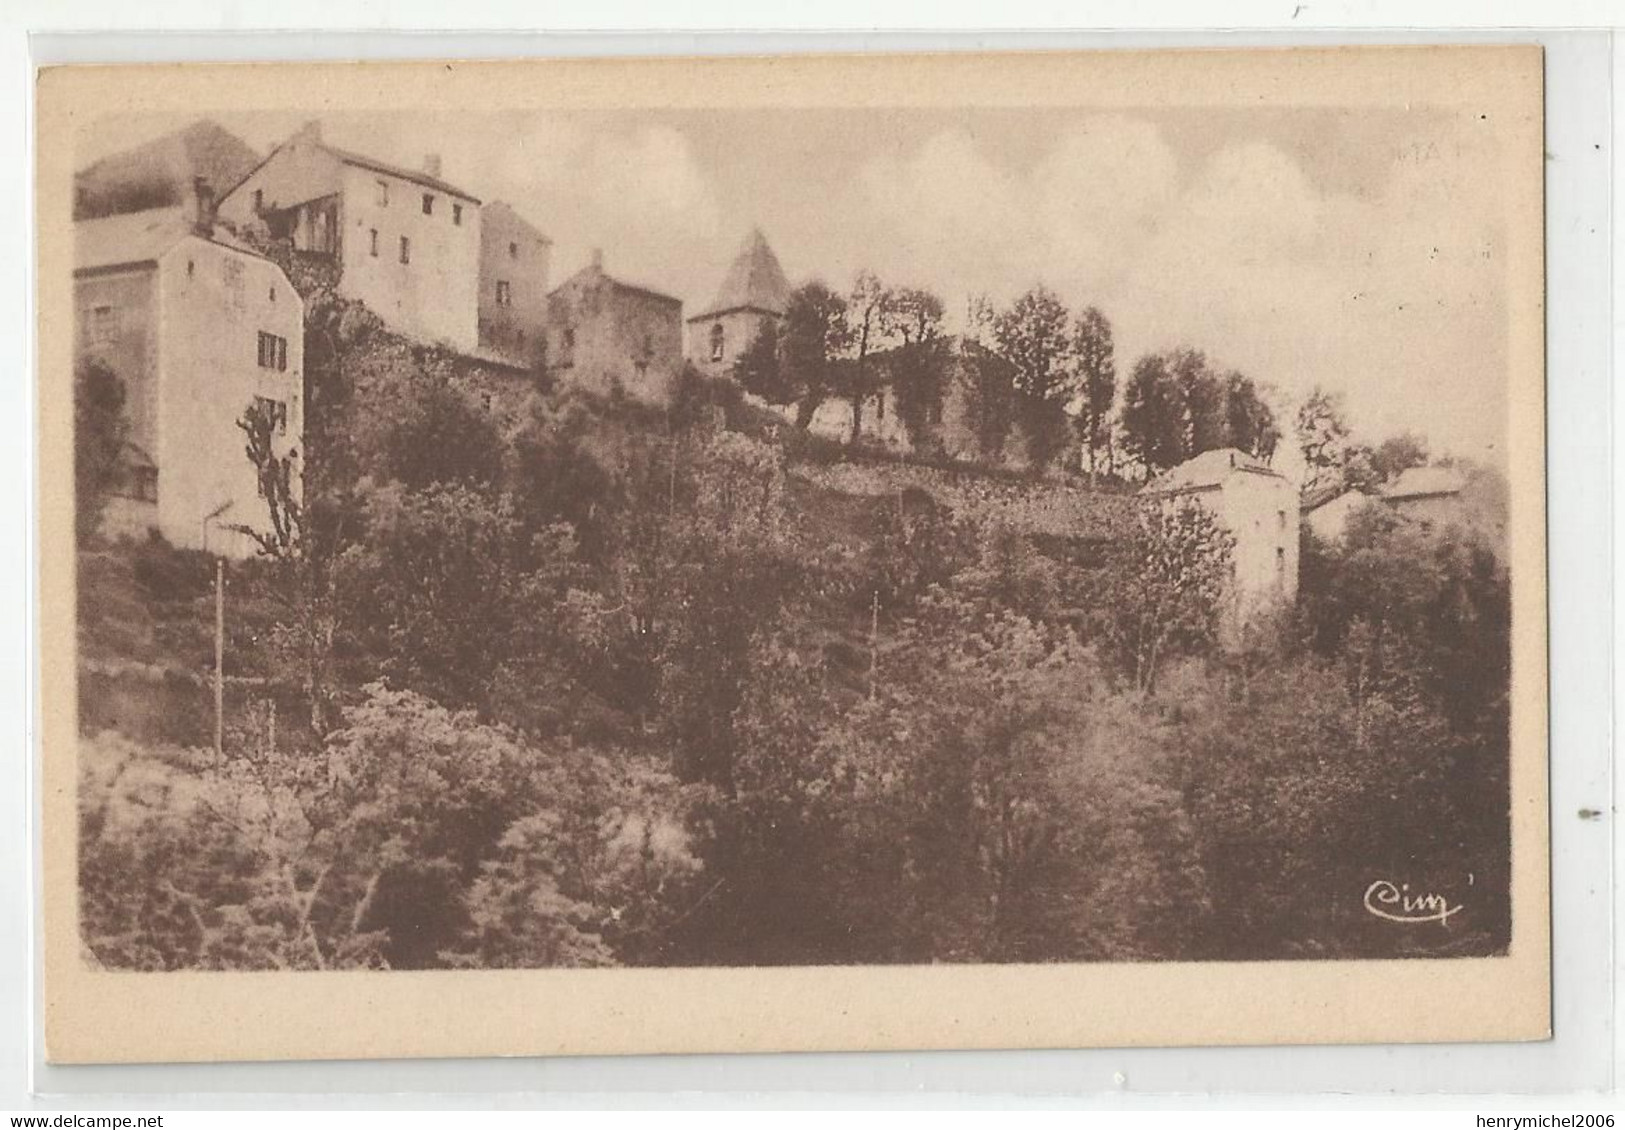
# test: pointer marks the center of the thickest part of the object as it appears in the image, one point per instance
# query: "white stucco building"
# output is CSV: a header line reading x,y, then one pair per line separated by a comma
x,y
406,242
1259,509
197,328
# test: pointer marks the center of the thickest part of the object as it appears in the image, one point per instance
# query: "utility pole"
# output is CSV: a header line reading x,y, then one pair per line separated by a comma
x,y
219,655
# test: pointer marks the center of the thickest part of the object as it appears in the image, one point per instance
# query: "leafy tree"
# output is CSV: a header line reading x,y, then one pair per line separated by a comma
x,y
1400,453
1097,382
99,431
759,369
558,476
275,478
919,366
428,583
1366,468
1322,433
1250,421
1177,406
424,431
801,363
1153,417
1034,335
1166,591
869,313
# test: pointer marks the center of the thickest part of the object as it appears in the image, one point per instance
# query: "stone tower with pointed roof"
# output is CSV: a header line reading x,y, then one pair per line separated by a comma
x,y
753,293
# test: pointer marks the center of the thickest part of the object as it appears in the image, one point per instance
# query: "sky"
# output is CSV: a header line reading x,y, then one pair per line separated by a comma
x,y
1358,251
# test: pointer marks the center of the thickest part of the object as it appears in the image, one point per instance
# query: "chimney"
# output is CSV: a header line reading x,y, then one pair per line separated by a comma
x,y
431,164
202,207
311,131
598,258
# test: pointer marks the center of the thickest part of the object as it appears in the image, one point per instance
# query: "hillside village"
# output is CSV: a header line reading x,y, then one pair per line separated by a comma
x,y
440,266
774,546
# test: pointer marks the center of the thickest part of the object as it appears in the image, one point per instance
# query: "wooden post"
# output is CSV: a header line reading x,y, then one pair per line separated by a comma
x,y
874,641
219,655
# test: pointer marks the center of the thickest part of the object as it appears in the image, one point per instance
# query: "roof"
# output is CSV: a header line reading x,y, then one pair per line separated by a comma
x,y
1209,470
512,212
754,281
137,237
1420,482
594,269
133,237
1320,499
418,176
312,134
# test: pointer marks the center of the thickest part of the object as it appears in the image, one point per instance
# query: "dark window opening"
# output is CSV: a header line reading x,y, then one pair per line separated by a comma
x,y
274,410
428,204
374,235
457,214
718,344
406,249
273,352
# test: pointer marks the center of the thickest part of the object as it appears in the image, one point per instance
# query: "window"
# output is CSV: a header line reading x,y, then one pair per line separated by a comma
x,y
274,410
383,194
428,203
271,294
406,250
146,483
717,343
139,482
457,214
259,201
273,352
102,325
1280,563
1280,519
504,294
513,251
374,245
191,268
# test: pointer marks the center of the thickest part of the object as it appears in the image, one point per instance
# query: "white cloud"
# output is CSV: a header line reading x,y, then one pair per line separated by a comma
x,y
1386,296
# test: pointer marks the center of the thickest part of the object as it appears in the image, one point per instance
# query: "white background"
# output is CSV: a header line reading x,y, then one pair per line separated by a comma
x,y
1582,167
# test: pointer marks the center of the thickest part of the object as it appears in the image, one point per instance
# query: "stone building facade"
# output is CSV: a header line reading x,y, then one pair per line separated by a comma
x,y
950,424
753,293
1259,508
514,259
198,328
407,241
605,335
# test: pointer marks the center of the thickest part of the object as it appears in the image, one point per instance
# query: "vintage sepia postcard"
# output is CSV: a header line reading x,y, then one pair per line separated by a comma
x,y
794,553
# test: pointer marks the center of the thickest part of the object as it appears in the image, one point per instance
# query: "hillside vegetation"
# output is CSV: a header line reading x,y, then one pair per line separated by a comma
x,y
576,682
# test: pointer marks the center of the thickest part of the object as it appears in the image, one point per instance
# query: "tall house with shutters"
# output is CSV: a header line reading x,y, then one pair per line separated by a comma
x,y
198,329
405,241
514,259
753,293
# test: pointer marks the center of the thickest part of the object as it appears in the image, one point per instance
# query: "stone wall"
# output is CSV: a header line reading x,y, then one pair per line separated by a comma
x,y
1041,507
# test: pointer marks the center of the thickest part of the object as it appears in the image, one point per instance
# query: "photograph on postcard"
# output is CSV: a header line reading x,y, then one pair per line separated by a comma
x,y
749,535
